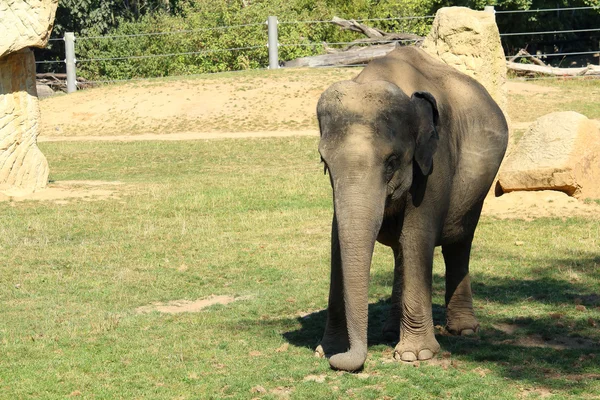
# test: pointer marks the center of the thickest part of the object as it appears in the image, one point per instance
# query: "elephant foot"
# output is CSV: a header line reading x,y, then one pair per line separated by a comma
x,y
413,348
463,326
332,344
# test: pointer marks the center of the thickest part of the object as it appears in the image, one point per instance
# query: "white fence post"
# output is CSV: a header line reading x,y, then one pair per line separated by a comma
x,y
490,9
273,43
69,39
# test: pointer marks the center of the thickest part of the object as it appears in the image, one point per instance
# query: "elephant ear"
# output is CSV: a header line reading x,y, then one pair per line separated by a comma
x,y
427,117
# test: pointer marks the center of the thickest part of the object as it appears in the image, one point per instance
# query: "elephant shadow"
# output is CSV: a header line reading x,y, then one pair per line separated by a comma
x,y
522,347
313,326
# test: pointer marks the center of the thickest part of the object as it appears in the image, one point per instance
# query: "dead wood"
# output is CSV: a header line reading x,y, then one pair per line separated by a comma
x,y
352,25
524,53
529,69
355,56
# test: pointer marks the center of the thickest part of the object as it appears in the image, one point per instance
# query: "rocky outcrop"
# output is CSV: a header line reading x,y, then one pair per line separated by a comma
x,y
25,24
560,151
469,41
22,164
23,167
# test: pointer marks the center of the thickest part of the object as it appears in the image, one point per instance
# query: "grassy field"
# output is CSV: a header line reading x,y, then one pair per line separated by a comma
x,y
250,219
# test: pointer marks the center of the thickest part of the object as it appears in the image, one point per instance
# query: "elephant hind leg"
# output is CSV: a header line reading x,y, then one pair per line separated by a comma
x,y
460,317
391,329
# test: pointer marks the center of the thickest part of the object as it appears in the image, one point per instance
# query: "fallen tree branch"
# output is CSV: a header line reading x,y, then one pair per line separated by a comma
x,y
360,55
590,70
352,25
524,53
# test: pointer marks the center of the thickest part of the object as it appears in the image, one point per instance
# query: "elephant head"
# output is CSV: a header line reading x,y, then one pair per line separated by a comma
x,y
374,139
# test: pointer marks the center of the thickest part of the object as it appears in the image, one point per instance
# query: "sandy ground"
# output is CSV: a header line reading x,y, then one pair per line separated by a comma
x,y
250,102
247,105
66,191
531,205
182,306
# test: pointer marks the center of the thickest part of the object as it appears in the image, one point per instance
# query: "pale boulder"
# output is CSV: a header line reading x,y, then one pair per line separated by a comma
x,y
560,151
25,24
22,164
469,41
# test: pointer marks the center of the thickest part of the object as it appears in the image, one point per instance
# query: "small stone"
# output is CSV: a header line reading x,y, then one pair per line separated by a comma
x,y
258,389
519,243
284,347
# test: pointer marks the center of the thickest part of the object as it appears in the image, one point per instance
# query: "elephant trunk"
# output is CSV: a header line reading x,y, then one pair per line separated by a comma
x,y
359,209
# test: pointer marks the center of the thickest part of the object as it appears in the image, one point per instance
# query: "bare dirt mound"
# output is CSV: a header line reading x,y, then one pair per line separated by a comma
x,y
238,102
531,205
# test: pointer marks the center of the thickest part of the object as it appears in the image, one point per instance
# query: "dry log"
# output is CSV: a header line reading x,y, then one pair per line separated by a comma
x,y
547,70
389,38
351,57
356,27
51,75
525,53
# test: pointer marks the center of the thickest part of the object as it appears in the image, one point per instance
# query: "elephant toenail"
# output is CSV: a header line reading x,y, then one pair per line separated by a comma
x,y
319,352
408,356
425,354
467,332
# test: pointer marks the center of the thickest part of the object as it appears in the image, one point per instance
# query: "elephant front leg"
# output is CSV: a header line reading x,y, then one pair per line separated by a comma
x,y
460,318
391,329
417,338
335,340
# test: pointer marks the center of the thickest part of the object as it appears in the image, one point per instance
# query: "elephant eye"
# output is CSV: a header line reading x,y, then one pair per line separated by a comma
x,y
391,164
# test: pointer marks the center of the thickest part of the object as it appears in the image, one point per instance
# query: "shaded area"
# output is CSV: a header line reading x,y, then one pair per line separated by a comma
x,y
552,349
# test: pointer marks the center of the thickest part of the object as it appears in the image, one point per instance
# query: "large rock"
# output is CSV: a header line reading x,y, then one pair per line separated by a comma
x,y
560,151
22,164
25,24
469,41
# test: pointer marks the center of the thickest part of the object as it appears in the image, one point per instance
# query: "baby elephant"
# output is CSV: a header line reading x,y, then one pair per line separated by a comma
x,y
412,147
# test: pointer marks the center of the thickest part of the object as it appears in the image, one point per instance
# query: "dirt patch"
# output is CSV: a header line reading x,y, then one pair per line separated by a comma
x,y
531,205
182,306
528,88
279,100
63,192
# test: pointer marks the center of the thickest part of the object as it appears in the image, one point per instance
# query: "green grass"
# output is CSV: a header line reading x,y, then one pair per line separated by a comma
x,y
579,95
251,218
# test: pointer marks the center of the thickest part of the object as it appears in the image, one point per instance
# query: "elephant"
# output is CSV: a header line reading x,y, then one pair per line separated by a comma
x,y
412,147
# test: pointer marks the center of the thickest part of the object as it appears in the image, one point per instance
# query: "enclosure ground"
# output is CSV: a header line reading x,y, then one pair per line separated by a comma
x,y
232,237
249,218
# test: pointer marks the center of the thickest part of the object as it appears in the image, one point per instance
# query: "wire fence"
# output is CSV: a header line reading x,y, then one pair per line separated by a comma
x,y
251,50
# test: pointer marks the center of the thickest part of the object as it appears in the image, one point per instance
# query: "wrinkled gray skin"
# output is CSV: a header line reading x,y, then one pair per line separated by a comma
x,y
412,147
